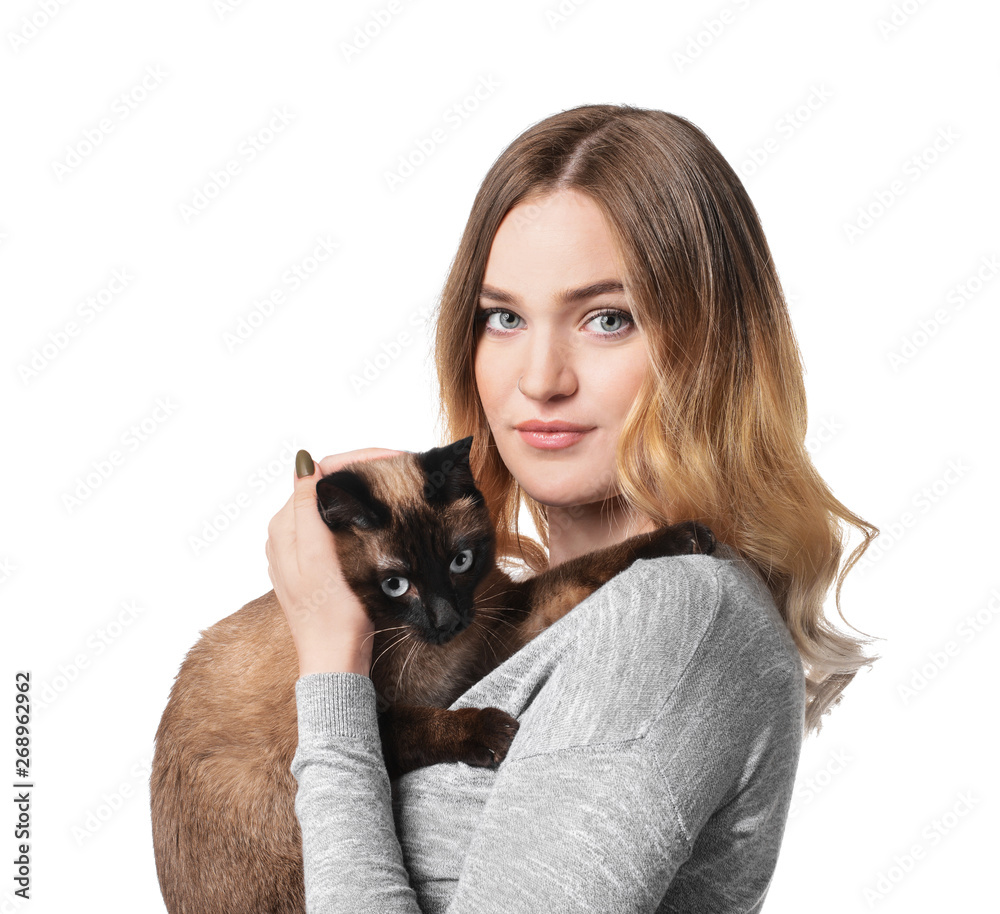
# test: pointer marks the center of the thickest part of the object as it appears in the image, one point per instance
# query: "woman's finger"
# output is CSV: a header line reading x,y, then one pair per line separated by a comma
x,y
313,537
334,462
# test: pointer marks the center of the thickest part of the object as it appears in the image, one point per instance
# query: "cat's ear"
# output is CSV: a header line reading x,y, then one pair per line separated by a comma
x,y
447,472
346,502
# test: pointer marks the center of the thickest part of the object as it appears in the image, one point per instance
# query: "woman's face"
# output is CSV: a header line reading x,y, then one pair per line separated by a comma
x,y
552,314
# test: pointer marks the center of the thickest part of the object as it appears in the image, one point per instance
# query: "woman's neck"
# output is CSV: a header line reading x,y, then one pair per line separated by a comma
x,y
579,529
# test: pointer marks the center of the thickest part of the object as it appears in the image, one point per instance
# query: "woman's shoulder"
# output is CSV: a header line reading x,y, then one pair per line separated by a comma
x,y
679,600
732,723
662,636
708,602
605,672
679,627
712,617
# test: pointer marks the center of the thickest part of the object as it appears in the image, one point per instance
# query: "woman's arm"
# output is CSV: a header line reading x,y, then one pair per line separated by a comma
x,y
666,707
353,861
567,831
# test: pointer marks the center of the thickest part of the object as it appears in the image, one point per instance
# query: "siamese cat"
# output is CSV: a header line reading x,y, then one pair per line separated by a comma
x,y
416,543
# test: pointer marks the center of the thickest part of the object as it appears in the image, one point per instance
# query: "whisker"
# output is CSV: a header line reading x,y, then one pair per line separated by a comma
x,y
379,631
494,635
391,628
399,639
490,590
496,615
492,597
399,679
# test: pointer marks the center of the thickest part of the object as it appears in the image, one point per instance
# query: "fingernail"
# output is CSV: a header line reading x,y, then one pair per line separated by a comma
x,y
303,464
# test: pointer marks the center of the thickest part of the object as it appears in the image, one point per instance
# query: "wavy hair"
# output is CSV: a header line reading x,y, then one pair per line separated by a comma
x,y
717,431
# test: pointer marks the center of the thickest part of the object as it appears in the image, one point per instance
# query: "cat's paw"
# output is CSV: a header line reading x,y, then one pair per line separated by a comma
x,y
700,539
488,735
687,538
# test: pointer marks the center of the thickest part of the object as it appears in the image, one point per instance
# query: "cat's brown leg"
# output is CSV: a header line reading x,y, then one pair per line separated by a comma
x,y
687,538
555,592
415,736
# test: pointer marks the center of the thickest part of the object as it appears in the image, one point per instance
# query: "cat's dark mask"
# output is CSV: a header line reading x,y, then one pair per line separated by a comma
x,y
421,537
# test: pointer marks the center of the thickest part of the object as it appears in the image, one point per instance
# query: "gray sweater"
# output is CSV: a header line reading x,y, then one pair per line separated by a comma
x,y
660,728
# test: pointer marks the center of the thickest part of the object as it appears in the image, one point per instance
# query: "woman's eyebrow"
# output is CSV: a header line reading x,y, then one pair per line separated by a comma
x,y
567,295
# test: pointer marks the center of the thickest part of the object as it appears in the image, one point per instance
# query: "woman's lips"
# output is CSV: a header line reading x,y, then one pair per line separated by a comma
x,y
550,440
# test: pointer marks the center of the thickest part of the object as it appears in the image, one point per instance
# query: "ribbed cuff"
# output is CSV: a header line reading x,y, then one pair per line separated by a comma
x,y
336,704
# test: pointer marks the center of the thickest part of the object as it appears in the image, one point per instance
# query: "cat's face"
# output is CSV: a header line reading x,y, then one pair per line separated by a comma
x,y
414,538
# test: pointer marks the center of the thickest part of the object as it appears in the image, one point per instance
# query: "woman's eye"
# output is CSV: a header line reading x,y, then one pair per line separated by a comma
x,y
462,562
505,320
395,586
613,323
610,323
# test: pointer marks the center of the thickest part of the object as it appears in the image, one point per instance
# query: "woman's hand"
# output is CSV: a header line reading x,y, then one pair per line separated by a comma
x,y
330,628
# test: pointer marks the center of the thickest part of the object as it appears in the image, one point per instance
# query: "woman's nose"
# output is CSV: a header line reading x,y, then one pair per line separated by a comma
x,y
548,371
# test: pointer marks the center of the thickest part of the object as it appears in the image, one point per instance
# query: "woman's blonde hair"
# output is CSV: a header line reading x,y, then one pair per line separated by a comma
x,y
717,432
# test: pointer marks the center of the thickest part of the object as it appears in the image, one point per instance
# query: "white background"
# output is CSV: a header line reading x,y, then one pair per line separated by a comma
x,y
820,107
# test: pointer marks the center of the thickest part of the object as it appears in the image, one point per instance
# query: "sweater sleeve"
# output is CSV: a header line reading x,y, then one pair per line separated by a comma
x,y
352,858
620,761
572,831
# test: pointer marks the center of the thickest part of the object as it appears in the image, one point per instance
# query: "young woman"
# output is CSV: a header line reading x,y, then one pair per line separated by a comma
x,y
614,335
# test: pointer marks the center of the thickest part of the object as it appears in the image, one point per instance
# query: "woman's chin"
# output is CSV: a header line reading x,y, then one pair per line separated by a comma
x,y
562,494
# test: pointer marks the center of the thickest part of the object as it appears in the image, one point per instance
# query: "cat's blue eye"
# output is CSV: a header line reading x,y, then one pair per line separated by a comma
x,y
395,586
462,561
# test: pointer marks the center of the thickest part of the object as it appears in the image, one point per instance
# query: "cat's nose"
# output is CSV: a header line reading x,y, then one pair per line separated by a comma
x,y
443,616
